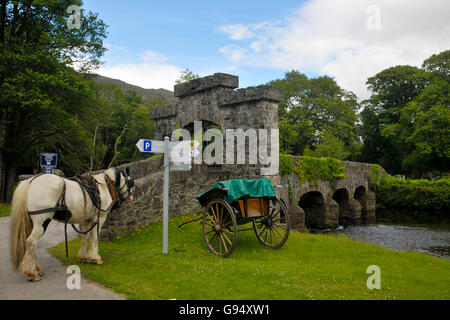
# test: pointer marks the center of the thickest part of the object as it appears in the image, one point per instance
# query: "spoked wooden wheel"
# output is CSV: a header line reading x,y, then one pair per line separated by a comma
x,y
273,229
219,228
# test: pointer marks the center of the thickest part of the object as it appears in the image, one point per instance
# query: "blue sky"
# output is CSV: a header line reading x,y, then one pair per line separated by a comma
x,y
150,42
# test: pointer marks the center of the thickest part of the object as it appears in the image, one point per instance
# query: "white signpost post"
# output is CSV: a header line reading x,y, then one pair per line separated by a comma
x,y
176,154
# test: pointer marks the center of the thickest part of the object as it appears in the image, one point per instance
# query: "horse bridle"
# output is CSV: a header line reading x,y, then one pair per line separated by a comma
x,y
129,183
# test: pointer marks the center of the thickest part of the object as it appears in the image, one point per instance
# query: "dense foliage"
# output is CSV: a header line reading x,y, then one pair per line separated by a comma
x,y
406,121
317,117
312,169
42,98
47,106
421,194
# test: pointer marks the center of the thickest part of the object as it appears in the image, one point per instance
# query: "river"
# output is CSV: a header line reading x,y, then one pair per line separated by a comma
x,y
405,230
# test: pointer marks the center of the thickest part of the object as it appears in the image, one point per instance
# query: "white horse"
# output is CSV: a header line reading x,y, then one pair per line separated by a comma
x,y
36,201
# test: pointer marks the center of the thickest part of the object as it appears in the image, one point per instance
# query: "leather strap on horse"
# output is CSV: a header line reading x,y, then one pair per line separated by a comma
x,y
113,190
89,184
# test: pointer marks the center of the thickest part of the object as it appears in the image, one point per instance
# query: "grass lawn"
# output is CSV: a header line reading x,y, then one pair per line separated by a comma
x,y
5,209
306,267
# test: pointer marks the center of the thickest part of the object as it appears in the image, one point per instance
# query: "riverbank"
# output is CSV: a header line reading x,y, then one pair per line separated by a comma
x,y
306,267
417,194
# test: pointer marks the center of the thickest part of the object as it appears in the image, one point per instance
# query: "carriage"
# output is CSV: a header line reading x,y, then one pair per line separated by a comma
x,y
240,202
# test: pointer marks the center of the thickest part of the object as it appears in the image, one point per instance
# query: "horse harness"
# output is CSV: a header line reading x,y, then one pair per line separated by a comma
x,y
89,185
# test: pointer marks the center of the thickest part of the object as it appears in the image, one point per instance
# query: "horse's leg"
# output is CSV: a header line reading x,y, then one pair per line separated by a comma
x,y
29,265
93,254
82,253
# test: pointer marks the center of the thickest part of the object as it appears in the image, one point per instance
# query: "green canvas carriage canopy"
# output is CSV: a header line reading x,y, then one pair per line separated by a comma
x,y
237,188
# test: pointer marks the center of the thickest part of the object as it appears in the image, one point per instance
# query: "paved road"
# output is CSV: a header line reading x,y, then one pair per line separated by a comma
x,y
13,285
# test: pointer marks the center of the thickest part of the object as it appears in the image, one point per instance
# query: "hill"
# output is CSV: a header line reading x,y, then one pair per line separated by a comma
x,y
147,94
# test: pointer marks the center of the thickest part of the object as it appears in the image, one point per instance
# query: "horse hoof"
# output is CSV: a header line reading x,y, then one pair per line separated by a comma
x,y
84,260
33,278
40,271
97,261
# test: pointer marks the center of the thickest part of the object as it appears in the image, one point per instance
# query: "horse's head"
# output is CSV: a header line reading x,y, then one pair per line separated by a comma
x,y
124,184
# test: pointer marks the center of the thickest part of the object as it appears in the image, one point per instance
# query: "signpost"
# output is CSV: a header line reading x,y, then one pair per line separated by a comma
x,y
48,170
177,157
48,161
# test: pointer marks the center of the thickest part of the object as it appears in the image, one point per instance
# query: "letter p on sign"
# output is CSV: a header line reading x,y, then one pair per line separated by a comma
x,y
147,145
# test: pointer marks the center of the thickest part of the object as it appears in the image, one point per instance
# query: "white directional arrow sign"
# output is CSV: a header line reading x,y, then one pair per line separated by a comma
x,y
178,155
180,151
146,145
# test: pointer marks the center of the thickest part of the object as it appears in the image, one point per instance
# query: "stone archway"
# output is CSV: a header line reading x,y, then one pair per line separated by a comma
x,y
342,198
360,195
349,209
313,205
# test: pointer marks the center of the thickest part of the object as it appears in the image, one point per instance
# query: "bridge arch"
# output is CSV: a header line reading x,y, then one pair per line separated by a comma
x,y
313,204
360,196
342,197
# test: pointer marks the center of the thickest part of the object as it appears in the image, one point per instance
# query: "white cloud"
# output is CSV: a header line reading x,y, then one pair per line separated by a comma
x,y
152,71
152,57
236,31
336,38
234,53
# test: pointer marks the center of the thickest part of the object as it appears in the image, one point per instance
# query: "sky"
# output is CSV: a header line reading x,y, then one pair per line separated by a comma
x,y
150,42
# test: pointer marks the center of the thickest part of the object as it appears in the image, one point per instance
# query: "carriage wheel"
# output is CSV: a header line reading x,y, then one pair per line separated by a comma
x,y
272,230
219,228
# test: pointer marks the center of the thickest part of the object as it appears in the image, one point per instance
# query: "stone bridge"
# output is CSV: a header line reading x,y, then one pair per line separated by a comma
x,y
214,101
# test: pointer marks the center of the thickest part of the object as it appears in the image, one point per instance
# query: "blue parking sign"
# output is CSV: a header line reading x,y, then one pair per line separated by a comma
x,y
49,160
147,145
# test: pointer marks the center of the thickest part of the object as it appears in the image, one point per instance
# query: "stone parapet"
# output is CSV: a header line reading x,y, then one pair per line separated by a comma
x,y
249,94
164,112
209,82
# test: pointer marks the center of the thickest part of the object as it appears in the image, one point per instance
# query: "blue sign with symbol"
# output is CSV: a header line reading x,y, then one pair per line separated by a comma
x,y
49,160
147,145
48,170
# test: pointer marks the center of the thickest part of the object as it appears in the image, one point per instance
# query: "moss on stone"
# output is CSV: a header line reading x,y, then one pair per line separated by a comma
x,y
312,169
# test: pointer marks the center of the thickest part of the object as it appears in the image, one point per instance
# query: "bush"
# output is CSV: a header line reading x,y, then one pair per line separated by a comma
x,y
312,169
287,164
421,194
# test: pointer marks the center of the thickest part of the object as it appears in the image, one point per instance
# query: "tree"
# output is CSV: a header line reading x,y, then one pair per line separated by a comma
x,y
405,121
42,98
329,146
186,76
311,108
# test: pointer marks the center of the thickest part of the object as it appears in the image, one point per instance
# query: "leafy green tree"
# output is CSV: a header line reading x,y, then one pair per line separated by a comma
x,y
405,122
42,99
312,107
329,146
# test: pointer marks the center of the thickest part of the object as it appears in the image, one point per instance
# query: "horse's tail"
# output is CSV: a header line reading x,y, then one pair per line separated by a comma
x,y
20,224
